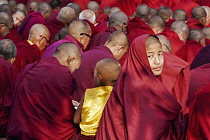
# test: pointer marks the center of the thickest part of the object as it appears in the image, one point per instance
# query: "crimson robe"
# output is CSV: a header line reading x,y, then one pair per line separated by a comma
x,y
42,107
101,17
140,106
168,24
93,30
136,23
101,38
101,27
179,48
14,36
53,15
28,22
107,3
207,41
193,48
7,80
127,6
26,54
82,3
84,78
54,26
204,3
22,1
199,120
193,23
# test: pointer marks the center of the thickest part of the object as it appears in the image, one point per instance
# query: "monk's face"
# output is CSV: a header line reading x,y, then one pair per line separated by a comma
x,y
155,56
44,40
18,18
74,64
85,39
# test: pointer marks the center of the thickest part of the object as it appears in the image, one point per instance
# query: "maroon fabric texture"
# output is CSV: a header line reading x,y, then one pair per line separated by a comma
x,y
101,17
7,80
83,137
193,23
168,24
205,3
193,48
94,31
136,23
28,22
127,6
207,41
179,48
199,120
54,27
101,27
84,75
140,106
53,15
82,3
101,38
22,1
26,54
14,36
42,109
107,3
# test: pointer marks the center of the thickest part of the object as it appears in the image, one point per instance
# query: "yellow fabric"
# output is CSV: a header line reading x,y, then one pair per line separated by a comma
x,y
94,102
31,43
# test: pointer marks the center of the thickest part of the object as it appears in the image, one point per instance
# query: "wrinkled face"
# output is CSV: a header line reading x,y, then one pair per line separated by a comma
x,y
75,64
18,18
155,56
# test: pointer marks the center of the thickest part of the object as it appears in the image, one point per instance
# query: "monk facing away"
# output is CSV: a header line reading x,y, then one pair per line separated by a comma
x,y
42,107
94,100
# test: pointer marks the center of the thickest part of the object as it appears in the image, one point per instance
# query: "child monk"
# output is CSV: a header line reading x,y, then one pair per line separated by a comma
x,y
93,101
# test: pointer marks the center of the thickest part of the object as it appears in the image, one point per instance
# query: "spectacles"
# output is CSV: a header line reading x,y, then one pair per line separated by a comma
x,y
86,35
48,42
6,26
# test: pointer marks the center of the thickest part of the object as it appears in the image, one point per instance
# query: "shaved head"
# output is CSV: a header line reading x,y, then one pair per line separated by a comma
x,y
6,8
113,10
7,22
208,14
143,12
33,6
18,17
206,32
66,15
106,10
22,7
77,8
109,70
198,12
55,4
165,12
151,39
62,33
166,44
180,14
45,9
153,12
94,6
118,20
157,24
88,15
197,35
7,49
13,4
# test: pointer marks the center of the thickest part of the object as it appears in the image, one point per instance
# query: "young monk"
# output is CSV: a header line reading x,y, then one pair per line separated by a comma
x,y
93,101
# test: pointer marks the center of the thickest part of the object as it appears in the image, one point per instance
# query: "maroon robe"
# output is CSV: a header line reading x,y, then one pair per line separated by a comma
x,y
101,38
22,1
93,30
101,17
199,120
193,23
140,106
84,75
107,3
53,15
7,80
26,54
14,36
136,23
82,3
193,48
168,24
204,3
28,22
127,6
101,27
207,41
54,26
43,109
178,47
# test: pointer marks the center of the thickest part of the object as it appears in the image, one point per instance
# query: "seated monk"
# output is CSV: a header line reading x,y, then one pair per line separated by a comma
x,y
207,24
33,7
198,19
56,6
38,17
42,107
77,8
206,31
94,6
13,4
153,12
102,16
6,8
18,17
114,48
88,116
180,14
65,16
195,42
29,51
61,34
7,81
79,34
140,104
166,44
22,7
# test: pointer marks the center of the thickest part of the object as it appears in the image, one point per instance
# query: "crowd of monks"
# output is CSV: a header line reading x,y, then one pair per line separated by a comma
x,y
104,69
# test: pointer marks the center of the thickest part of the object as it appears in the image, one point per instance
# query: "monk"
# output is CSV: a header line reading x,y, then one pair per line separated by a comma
x,y
65,16
195,42
82,3
7,81
180,14
140,104
28,51
18,17
13,4
177,35
38,17
33,6
6,8
94,6
105,75
166,44
153,12
117,22
102,16
22,7
61,34
207,16
56,6
206,31
79,34
77,8
43,109
114,48
198,19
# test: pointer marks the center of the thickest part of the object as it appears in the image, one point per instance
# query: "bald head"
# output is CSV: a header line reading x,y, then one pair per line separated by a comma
x,y
113,10
4,2
197,35
88,15
56,4
18,17
206,32
62,33
166,44
66,15
157,24
94,6
7,49
106,10
22,7
45,9
77,8
208,14
13,4
142,12
199,13
33,6
106,72
6,8
6,21
180,14
153,12
165,12
118,20
69,55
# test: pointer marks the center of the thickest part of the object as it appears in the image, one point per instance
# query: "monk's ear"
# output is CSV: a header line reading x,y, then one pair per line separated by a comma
x,y
12,60
203,20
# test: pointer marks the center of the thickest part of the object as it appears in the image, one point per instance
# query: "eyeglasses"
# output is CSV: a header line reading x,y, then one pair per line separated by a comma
x,y
48,42
86,35
6,26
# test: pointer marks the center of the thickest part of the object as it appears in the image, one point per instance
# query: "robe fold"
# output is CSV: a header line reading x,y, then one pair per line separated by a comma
x,y
168,24
127,6
84,76
7,81
136,23
53,15
82,3
26,54
101,17
101,27
193,48
28,22
14,36
204,3
193,23
43,109
207,41
140,106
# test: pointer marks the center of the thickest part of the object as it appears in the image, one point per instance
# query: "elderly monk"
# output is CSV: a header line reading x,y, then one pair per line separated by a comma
x,y
114,48
18,17
166,44
65,16
180,14
38,17
56,6
77,8
7,80
198,19
195,42
29,51
79,34
82,3
118,21
206,31
33,6
43,109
